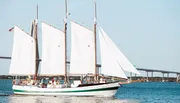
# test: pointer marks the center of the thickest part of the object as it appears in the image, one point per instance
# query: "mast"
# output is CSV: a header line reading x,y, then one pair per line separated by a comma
x,y
36,44
65,33
95,23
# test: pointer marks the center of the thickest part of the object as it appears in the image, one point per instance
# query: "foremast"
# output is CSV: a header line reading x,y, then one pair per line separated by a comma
x,y
96,74
65,33
36,44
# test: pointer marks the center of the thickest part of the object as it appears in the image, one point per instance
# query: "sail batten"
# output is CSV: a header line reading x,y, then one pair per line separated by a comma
x,y
82,50
53,51
23,54
121,59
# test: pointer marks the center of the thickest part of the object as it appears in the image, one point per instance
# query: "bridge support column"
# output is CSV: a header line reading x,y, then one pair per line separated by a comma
x,y
177,78
147,79
162,77
167,76
135,76
152,76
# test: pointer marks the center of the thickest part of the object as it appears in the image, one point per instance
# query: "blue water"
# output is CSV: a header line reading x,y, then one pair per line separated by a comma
x,y
149,92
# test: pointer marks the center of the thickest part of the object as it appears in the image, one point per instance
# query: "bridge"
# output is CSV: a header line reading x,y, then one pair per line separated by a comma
x,y
155,70
160,71
140,69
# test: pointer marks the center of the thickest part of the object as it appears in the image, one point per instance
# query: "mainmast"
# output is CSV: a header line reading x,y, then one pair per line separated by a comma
x,y
36,44
65,33
95,23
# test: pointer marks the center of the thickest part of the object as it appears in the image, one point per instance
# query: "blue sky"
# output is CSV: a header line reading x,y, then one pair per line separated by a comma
x,y
146,31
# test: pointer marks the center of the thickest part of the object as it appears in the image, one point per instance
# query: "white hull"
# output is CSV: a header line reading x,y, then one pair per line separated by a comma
x,y
96,90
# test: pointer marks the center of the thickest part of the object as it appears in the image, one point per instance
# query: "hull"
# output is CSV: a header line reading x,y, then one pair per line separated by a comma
x,y
96,90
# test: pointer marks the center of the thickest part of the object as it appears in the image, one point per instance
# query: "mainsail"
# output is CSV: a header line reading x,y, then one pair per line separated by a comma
x,y
109,64
53,51
82,50
118,55
23,54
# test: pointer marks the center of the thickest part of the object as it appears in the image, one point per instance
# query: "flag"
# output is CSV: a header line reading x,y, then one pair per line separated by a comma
x,y
11,29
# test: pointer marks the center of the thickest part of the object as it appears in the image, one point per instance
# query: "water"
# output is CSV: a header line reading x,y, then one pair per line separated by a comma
x,y
151,92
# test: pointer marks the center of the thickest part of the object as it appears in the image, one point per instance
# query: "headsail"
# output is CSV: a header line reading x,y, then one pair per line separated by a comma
x,y
120,58
53,51
82,50
109,64
23,54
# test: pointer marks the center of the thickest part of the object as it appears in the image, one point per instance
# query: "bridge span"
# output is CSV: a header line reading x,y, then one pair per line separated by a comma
x,y
160,71
140,69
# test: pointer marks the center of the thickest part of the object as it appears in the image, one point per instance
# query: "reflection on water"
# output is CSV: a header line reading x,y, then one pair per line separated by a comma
x,y
48,99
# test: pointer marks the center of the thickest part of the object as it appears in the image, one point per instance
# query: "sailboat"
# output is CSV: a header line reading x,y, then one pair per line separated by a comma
x,y
54,60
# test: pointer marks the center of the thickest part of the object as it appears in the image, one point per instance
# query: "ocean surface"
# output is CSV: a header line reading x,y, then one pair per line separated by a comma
x,y
147,92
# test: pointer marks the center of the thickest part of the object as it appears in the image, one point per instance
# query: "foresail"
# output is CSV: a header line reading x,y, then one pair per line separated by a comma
x,y
109,65
53,51
120,58
82,50
23,54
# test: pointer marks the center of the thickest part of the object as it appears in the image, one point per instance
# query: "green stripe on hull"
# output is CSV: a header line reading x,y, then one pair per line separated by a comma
x,y
92,90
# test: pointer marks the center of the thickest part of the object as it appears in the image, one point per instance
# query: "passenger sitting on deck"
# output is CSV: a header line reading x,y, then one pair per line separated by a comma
x,y
102,80
57,85
28,83
88,80
52,80
20,82
14,82
49,85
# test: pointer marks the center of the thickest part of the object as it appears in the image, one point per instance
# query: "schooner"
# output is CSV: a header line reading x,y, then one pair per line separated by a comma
x,y
53,62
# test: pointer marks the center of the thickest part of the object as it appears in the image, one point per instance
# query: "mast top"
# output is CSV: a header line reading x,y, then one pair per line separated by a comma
x,y
66,14
95,12
37,12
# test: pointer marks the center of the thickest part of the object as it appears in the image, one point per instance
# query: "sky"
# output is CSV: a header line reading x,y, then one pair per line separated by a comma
x,y
146,31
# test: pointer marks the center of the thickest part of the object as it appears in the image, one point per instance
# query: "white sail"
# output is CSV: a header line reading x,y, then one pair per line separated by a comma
x,y
82,50
120,58
109,64
53,51
23,54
